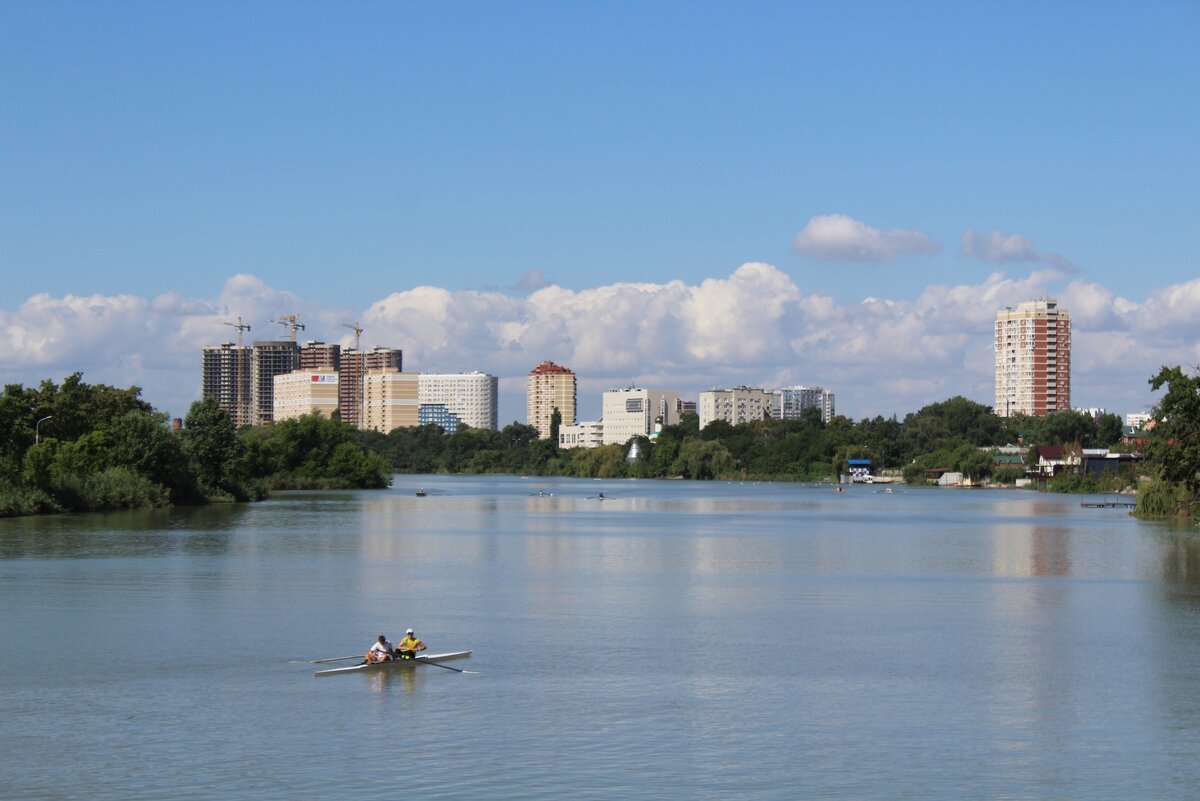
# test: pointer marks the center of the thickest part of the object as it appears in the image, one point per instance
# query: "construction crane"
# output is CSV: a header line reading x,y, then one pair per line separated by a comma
x,y
240,326
292,321
357,329
240,410
362,369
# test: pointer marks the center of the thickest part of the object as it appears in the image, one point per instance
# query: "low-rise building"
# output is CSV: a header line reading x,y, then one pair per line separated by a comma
x,y
1137,419
586,434
437,414
302,392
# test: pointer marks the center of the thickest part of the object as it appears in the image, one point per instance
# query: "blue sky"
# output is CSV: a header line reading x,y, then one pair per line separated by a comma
x,y
166,166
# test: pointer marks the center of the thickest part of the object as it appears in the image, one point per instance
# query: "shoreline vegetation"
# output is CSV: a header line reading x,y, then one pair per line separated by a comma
x,y
79,447
89,448
954,435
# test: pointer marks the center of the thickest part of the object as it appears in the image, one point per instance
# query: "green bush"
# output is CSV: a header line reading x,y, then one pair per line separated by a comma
x,y
1160,498
122,488
1007,475
20,501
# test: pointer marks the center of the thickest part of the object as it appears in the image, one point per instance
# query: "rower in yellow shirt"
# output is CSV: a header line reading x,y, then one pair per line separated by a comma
x,y
409,646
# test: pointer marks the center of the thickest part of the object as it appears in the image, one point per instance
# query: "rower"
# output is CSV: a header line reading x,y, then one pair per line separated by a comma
x,y
409,646
381,651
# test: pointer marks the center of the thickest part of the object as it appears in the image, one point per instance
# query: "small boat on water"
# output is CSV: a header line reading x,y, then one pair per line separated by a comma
x,y
396,663
421,493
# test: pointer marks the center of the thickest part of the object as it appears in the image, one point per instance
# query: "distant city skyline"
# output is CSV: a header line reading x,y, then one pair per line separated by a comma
x,y
682,196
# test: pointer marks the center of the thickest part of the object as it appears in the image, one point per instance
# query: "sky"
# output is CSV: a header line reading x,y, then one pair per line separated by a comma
x,y
677,195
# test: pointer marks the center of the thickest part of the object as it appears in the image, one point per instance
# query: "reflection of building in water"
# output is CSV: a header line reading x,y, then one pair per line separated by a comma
x,y
1019,550
1033,670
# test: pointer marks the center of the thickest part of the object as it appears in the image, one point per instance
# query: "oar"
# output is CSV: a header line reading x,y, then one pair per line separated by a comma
x,y
439,664
333,659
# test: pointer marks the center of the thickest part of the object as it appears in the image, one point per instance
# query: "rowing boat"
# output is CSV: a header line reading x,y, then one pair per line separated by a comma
x,y
375,666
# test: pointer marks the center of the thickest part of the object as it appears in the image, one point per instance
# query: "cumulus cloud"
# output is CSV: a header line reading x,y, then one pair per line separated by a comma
x,y
836,237
1000,248
754,326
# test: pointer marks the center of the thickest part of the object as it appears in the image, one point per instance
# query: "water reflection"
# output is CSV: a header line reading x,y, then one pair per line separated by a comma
x,y
196,530
1181,556
406,678
1038,550
1005,642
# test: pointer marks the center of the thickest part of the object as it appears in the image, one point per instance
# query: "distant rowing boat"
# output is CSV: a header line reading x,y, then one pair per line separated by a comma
x,y
396,663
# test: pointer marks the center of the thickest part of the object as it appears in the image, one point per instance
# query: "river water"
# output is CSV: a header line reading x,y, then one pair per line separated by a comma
x,y
675,640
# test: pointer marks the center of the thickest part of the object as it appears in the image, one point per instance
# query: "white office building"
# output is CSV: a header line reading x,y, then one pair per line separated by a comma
x,y
735,406
587,434
1137,419
633,412
471,397
790,403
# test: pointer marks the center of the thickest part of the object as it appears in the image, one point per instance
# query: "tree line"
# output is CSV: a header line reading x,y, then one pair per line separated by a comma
x,y
946,435
93,447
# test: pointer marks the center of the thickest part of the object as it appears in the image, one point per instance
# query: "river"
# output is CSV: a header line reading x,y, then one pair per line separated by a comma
x,y
668,640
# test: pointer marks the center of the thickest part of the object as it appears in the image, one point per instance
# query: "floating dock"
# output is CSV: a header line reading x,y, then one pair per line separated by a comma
x,y
1108,504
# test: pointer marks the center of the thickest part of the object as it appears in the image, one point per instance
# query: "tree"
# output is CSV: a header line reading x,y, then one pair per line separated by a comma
x,y
1174,447
217,455
142,443
702,459
1108,430
555,425
974,463
1067,427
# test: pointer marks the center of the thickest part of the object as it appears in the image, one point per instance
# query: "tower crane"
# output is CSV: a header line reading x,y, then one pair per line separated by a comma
x,y
357,329
362,370
240,326
292,321
240,407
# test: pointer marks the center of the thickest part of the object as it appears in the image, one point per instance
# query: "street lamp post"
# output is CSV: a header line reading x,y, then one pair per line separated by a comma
x,y
37,429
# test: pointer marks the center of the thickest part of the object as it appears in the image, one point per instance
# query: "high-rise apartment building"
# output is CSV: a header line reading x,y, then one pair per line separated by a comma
x,y
389,400
352,368
633,412
790,403
318,355
472,398
735,406
302,392
550,387
269,358
1033,359
225,375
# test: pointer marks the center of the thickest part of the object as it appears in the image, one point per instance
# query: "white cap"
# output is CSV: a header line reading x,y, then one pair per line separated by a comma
x,y
410,631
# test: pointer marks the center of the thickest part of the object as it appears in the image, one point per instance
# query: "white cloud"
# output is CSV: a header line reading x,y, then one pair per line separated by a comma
x,y
836,237
1000,248
754,326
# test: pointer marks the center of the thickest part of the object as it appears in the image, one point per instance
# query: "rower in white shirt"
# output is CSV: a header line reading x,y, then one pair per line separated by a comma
x,y
381,651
